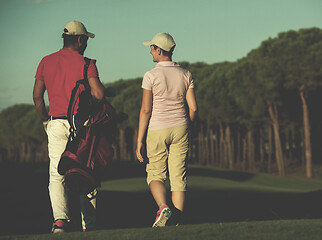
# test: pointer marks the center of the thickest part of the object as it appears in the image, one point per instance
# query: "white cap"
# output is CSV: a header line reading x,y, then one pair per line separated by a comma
x,y
77,28
163,40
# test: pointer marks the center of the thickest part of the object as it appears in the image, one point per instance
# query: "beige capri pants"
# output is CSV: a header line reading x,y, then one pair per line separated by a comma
x,y
167,150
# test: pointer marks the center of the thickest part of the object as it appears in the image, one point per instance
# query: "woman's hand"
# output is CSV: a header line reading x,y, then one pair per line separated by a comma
x,y
139,151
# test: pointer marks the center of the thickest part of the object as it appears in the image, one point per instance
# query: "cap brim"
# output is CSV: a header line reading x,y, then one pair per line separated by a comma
x,y
91,35
147,43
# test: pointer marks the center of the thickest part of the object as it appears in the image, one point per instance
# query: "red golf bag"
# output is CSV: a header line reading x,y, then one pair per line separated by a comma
x,y
89,147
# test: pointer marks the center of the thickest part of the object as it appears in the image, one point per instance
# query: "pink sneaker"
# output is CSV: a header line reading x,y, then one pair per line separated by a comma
x,y
162,216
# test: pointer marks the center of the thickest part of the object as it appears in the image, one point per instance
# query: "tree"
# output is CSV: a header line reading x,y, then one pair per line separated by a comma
x,y
302,57
217,108
11,132
270,75
251,115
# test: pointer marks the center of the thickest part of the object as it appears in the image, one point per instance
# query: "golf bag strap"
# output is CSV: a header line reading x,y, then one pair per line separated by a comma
x,y
75,94
87,62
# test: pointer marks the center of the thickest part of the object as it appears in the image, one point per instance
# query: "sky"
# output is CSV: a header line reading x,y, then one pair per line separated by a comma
x,y
209,31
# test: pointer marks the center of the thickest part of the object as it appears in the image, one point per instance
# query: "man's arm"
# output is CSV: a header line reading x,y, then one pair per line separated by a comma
x,y
192,104
38,96
97,88
145,115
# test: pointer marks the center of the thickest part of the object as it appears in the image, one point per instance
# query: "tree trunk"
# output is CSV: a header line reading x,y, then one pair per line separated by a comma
x,y
251,150
221,146
29,153
229,148
9,153
22,152
238,155
122,145
298,149
217,147
307,137
270,150
115,152
207,148
201,150
244,159
232,152
212,147
261,147
272,109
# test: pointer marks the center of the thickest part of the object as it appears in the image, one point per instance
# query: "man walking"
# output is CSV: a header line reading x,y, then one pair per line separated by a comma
x,y
57,73
166,88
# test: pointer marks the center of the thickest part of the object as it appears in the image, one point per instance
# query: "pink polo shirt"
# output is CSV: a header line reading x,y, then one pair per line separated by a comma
x,y
169,84
60,71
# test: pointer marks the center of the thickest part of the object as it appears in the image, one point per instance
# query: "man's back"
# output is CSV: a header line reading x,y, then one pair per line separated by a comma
x,y
60,71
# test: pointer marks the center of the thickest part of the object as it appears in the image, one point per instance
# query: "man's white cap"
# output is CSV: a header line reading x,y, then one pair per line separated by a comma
x,y
77,28
163,40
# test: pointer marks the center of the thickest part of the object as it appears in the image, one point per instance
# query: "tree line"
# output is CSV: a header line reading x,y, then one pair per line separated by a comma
x,y
258,113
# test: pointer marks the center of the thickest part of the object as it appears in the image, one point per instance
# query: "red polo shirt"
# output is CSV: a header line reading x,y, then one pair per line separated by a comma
x,y
60,71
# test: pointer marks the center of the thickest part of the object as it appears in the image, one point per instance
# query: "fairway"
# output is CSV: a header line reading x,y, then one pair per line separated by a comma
x,y
219,203
259,230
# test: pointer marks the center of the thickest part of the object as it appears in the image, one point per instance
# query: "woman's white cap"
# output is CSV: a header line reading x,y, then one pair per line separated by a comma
x,y
163,40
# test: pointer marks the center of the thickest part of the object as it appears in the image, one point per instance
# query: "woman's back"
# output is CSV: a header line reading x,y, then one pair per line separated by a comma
x,y
169,84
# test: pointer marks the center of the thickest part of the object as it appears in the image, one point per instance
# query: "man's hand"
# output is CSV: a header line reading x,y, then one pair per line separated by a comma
x,y
45,123
38,96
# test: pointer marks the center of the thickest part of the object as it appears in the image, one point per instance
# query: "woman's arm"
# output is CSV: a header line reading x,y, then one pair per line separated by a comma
x,y
145,115
192,104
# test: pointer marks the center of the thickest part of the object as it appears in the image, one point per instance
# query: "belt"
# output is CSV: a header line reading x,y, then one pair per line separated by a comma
x,y
54,118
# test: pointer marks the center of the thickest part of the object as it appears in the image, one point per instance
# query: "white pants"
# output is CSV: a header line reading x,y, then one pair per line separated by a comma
x,y
58,133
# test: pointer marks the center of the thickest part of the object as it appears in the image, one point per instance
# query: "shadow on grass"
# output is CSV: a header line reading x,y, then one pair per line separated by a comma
x,y
124,169
127,210
224,174
25,207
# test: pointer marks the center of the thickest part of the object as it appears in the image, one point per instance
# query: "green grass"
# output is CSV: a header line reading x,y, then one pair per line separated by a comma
x,y
220,204
208,178
259,230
